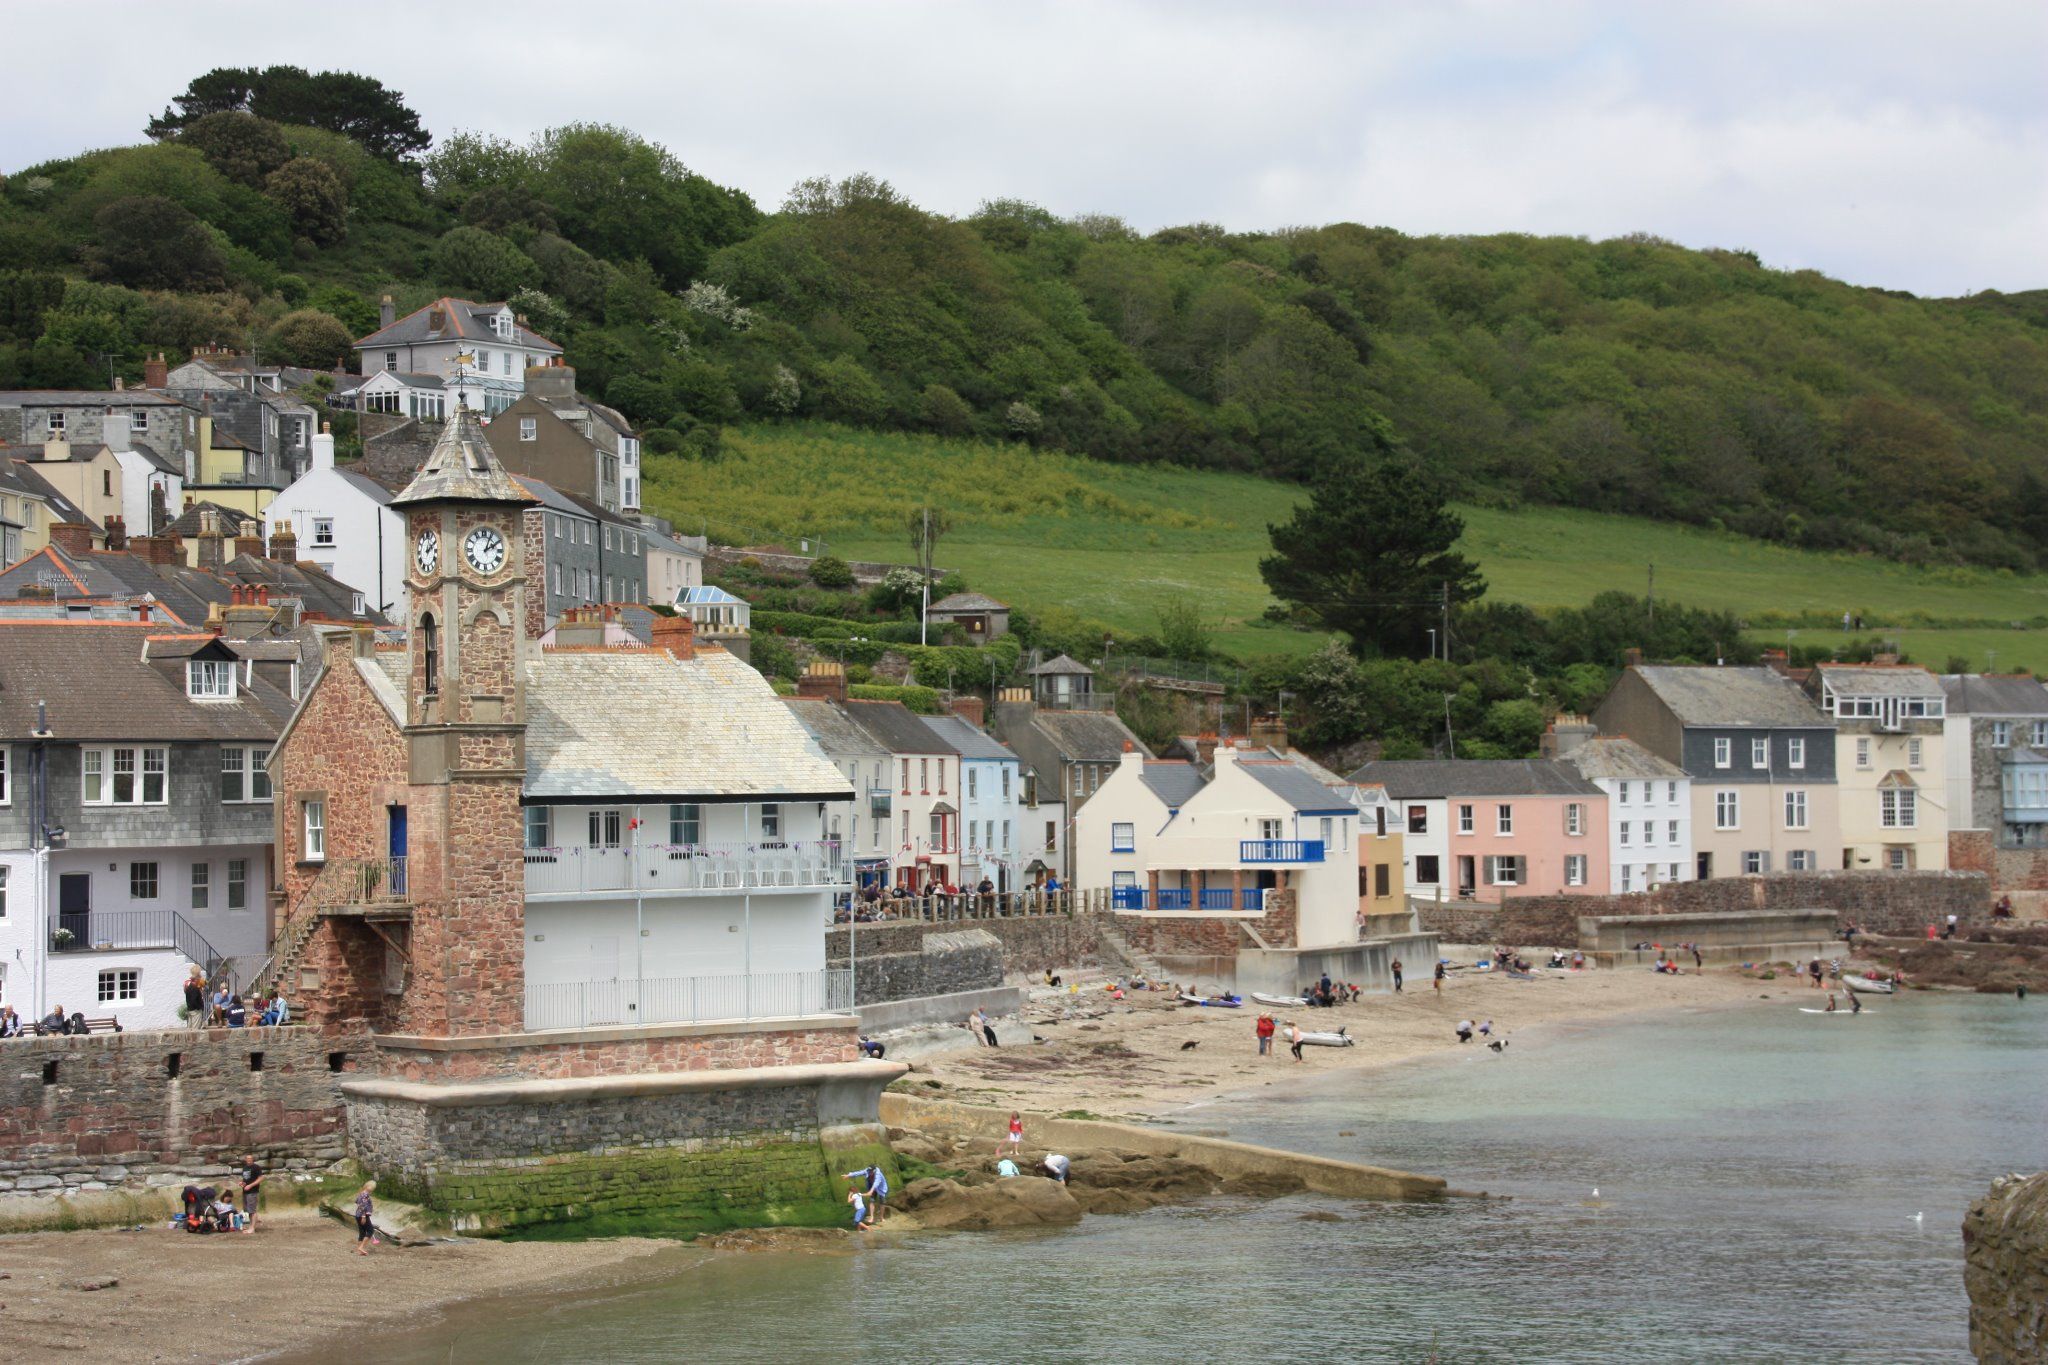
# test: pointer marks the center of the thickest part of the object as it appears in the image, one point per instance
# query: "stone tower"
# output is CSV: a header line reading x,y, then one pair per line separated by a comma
x,y
465,731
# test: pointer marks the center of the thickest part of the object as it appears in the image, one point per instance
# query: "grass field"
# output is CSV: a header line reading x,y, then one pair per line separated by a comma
x,y
1112,541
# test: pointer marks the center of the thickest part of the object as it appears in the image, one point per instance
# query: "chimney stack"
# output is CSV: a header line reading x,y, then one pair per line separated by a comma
x,y
155,373
1777,661
73,538
212,541
437,319
1269,731
56,451
1885,657
554,385
580,628
284,544
1565,735
159,515
323,447
1632,657
973,710
249,541
678,635
823,680
387,312
117,533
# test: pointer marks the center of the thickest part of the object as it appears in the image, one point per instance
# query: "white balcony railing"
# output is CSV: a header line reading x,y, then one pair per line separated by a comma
x,y
575,870
688,999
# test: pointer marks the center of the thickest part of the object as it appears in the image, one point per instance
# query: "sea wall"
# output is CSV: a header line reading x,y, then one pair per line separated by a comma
x,y
674,1153
1879,902
2005,1271
565,1054
1030,945
154,1108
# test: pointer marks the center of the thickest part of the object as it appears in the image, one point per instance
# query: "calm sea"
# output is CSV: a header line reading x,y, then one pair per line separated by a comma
x,y
1773,1186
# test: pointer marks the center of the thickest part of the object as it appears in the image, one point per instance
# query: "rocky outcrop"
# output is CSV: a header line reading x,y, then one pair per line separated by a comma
x,y
1020,1202
2005,1271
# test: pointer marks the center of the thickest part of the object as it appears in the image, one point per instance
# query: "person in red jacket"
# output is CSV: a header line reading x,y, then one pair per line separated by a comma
x,y
1265,1032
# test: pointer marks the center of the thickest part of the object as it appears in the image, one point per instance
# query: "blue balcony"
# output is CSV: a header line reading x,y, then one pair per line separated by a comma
x,y
1254,898
1175,898
1218,898
1127,897
1280,851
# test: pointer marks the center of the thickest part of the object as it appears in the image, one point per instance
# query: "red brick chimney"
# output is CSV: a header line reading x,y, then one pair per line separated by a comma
x,y
677,635
284,544
823,680
1777,662
117,533
163,549
973,710
250,541
212,543
1205,746
1632,657
155,373
73,538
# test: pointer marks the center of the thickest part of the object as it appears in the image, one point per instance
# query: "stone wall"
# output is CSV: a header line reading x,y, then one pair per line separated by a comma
x,y
778,562
943,963
2021,873
2005,1271
613,1052
1031,944
1879,902
1193,934
106,1109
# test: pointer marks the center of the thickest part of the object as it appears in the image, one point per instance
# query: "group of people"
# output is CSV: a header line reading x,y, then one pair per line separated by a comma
x,y
1325,994
210,1209
1264,1030
1559,962
226,1009
56,1022
874,903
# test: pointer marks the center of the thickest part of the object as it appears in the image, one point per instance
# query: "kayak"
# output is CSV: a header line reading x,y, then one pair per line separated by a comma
x,y
1221,1002
1338,1039
1293,1001
1864,985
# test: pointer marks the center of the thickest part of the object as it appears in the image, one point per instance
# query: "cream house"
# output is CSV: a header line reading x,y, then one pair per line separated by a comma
x,y
1890,764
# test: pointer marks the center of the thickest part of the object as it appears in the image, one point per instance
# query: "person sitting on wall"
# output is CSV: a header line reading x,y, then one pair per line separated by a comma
x,y
238,1013
53,1022
10,1022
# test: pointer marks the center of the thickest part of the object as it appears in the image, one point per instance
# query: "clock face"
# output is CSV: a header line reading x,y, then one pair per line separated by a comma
x,y
485,550
427,552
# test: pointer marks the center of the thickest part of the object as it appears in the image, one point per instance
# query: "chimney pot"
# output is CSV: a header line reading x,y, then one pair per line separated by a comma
x,y
117,533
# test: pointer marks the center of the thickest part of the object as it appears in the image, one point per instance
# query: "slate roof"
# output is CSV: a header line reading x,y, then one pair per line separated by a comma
x,y
1087,736
1173,781
1878,680
1059,663
101,684
79,398
19,476
900,729
1994,694
1426,779
462,467
1618,757
463,319
322,593
968,601
186,523
969,739
1752,697
658,541
833,729
724,734
163,462
377,490
179,590
1288,782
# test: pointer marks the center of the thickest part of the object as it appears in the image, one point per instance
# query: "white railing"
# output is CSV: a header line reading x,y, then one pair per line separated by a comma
x,y
574,870
688,999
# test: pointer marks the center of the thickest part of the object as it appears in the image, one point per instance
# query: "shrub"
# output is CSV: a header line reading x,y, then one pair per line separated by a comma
x,y
242,147
152,243
923,700
830,571
471,258
308,337
315,197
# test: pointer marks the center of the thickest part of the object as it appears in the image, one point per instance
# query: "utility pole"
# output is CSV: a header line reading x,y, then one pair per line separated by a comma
x,y
1453,739
925,589
1651,598
1447,619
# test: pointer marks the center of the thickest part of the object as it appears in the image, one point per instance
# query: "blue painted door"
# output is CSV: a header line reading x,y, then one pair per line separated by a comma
x,y
397,848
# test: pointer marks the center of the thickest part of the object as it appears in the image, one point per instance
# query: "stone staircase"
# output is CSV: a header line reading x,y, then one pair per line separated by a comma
x,y
1139,964
291,948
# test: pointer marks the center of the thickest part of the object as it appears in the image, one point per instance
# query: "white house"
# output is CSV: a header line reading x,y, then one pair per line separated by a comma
x,y
867,827
1166,837
991,806
345,524
481,350
925,840
1649,806
674,563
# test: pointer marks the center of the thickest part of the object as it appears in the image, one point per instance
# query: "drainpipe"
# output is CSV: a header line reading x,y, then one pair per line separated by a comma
x,y
747,915
639,900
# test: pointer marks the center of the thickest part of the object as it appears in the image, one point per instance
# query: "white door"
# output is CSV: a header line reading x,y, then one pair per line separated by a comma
x,y
601,1004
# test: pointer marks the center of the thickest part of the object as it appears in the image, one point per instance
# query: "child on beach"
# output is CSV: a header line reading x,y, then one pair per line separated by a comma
x,y
860,1210
1016,1138
366,1227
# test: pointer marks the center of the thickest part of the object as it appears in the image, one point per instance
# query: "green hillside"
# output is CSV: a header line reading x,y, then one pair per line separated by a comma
x,y
1046,530
1634,375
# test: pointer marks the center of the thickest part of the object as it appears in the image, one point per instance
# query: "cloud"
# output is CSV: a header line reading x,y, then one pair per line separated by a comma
x,y
1889,142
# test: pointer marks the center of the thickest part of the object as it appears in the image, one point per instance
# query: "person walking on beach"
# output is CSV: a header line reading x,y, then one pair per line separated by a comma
x,y
1439,977
252,1191
978,1021
366,1209
1813,970
1397,976
1699,966
1294,1039
1016,1132
1264,1029
875,1187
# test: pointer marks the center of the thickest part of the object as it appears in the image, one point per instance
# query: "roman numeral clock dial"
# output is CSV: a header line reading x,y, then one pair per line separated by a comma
x,y
426,552
484,548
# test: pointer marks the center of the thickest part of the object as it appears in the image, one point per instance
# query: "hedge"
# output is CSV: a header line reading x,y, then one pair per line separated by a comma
x,y
924,700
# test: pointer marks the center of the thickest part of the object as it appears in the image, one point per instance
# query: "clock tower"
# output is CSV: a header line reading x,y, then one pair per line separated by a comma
x,y
465,734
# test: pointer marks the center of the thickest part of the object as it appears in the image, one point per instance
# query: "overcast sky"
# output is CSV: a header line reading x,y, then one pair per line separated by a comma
x,y
1901,143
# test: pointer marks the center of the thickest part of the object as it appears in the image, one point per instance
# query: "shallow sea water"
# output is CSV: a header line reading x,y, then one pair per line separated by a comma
x,y
1758,1171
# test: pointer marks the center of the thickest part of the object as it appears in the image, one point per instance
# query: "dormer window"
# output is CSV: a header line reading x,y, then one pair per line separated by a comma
x,y
502,324
210,679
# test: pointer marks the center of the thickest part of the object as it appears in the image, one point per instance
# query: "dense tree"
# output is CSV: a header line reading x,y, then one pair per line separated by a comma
x,y
314,196
338,101
242,147
309,338
1370,556
152,243
484,263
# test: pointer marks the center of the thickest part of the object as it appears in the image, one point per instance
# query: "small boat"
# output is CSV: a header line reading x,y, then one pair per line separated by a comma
x,y
1290,1001
1220,1002
1338,1039
1866,985
1808,1009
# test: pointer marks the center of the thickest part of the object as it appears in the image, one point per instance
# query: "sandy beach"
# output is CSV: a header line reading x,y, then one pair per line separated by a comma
x,y
293,1285
1133,1062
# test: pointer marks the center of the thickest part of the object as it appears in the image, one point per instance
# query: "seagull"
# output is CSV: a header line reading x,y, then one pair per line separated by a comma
x,y
1596,1191
1918,1216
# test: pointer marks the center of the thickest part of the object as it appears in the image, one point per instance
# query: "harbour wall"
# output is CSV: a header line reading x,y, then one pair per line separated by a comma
x,y
2005,1271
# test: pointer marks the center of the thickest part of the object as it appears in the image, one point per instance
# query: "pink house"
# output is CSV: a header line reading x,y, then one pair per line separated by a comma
x,y
1486,829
